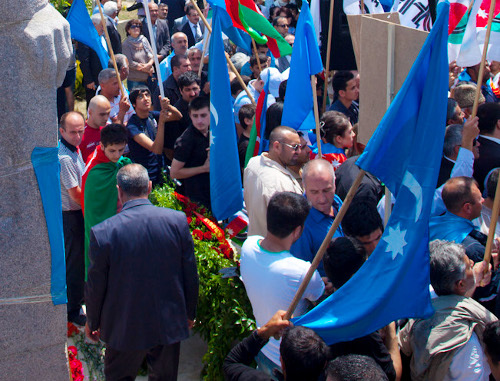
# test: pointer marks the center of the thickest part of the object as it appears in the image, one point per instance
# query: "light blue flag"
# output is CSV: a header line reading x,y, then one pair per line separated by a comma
x,y
225,174
405,153
237,36
82,30
306,61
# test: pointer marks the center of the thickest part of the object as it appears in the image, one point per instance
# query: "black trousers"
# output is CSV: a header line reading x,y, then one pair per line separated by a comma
x,y
163,363
74,240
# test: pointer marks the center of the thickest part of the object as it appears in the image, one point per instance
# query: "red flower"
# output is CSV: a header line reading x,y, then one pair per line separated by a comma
x,y
203,211
198,234
72,330
208,235
72,351
189,219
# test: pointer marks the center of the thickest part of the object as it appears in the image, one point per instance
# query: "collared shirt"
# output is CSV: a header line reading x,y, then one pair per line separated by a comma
x,y
352,112
263,177
195,28
244,99
72,168
115,108
496,140
165,69
315,230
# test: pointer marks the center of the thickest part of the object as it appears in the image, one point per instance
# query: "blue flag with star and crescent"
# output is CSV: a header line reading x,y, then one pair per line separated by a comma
x,y
394,282
225,175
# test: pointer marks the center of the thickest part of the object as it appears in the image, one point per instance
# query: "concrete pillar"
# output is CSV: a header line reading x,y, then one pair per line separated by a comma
x,y
35,48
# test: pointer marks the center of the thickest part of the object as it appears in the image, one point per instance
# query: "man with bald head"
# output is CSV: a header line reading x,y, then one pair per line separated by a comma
x,y
98,114
72,168
318,180
267,174
179,47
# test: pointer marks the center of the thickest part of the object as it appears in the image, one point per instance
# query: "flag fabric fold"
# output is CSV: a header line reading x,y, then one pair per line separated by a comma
x,y
248,17
238,37
306,61
225,175
83,30
353,7
394,282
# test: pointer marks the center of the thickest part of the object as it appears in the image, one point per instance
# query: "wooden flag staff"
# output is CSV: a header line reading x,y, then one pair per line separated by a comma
x,y
254,46
231,65
316,115
321,251
328,52
496,202
155,53
110,49
205,47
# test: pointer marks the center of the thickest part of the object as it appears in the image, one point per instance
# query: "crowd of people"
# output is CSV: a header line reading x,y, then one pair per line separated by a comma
x,y
133,266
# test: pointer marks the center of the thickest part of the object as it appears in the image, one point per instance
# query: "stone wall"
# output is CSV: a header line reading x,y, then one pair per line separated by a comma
x,y
35,47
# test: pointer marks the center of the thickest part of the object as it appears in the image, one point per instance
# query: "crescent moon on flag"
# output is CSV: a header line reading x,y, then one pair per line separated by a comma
x,y
213,111
414,187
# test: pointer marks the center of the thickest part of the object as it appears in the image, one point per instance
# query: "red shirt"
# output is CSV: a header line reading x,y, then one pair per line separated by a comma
x,y
91,139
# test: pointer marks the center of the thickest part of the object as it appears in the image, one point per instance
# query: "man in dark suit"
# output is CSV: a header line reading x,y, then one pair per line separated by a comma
x,y
489,138
142,286
110,10
193,29
162,37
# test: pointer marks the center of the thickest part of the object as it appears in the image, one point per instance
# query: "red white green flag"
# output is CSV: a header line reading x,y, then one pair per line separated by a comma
x,y
248,17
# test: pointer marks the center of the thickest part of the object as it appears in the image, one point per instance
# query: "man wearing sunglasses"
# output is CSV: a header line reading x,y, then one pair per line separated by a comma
x,y
268,173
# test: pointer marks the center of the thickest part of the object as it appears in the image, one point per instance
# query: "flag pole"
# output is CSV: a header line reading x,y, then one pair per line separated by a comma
x,y
155,52
483,59
362,7
321,251
205,46
328,52
496,202
316,114
254,46
231,65
110,48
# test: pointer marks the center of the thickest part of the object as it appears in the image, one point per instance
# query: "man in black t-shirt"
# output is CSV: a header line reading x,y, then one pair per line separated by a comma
x,y
191,162
147,130
245,115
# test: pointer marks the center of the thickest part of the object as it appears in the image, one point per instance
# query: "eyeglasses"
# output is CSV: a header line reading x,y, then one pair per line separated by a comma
x,y
135,26
295,147
283,25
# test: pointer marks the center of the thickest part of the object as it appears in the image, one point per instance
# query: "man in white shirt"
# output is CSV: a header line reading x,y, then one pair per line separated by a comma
x,y
271,274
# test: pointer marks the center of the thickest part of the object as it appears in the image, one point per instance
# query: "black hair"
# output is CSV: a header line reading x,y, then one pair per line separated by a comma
x,y
114,134
189,8
282,90
333,124
344,256
286,211
450,109
457,191
491,340
236,85
488,114
273,118
254,61
362,218
340,79
198,103
355,368
187,79
304,354
134,94
176,60
246,111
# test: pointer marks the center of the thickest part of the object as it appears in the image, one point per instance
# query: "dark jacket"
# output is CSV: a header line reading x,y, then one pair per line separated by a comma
x,y
186,29
489,158
142,282
114,37
162,36
90,64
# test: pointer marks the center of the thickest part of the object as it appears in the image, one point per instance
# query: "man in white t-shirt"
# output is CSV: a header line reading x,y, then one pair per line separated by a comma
x,y
271,274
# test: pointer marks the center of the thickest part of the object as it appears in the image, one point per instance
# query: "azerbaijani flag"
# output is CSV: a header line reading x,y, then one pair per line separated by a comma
x,y
99,194
248,17
259,125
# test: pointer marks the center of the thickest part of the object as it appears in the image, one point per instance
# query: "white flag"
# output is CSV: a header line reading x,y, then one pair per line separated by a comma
x,y
353,7
414,14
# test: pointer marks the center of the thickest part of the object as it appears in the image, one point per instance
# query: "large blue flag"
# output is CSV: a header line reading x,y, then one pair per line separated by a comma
x,y
405,153
237,36
306,61
82,30
225,174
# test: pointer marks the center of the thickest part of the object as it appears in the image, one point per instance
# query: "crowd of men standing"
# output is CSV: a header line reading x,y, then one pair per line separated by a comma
x,y
133,266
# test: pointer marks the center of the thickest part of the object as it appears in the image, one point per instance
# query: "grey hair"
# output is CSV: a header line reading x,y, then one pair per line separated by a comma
x,y
193,49
317,164
109,8
105,75
447,265
452,138
133,180
96,18
121,61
